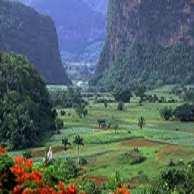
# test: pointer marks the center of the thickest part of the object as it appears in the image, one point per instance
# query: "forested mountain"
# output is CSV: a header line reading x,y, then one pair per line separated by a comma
x,y
80,25
25,31
150,42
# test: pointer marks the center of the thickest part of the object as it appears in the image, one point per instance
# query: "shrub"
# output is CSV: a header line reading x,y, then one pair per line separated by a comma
x,y
105,104
184,112
61,170
122,95
120,106
133,156
27,154
89,187
189,95
59,123
83,161
63,113
7,179
81,110
115,181
166,113
175,179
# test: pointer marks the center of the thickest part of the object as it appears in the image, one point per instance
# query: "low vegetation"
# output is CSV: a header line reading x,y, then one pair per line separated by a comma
x,y
144,147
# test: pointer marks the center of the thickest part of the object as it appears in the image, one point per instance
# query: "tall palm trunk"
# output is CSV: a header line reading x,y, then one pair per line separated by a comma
x,y
78,155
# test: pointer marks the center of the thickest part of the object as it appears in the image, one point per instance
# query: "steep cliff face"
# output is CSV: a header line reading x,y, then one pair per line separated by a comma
x,y
80,26
24,31
145,40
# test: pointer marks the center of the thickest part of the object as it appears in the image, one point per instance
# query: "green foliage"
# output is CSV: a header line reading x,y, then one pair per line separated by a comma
x,y
27,154
26,111
147,51
6,177
188,95
81,110
141,122
65,143
114,124
105,104
59,123
122,95
66,98
5,163
177,179
133,157
166,113
33,41
140,92
115,181
120,106
184,112
83,161
78,141
90,187
61,170
63,113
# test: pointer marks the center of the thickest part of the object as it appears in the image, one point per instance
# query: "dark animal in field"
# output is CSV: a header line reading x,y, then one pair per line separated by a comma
x,y
103,124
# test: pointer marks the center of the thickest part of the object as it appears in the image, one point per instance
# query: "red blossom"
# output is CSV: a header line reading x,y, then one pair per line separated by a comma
x,y
71,189
122,190
36,177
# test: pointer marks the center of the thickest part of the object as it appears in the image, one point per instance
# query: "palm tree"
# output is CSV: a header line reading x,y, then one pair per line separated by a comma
x,y
66,143
79,142
141,122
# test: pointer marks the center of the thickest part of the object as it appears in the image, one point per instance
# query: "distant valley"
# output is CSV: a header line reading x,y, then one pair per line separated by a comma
x,y
81,26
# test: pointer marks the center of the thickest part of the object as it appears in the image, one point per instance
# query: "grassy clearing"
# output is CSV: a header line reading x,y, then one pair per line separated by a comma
x,y
160,141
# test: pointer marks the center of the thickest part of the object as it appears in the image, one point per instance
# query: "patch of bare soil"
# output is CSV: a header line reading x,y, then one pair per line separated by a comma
x,y
141,142
99,180
173,150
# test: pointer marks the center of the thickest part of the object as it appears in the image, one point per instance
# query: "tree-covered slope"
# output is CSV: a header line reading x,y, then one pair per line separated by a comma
x,y
150,42
26,112
26,32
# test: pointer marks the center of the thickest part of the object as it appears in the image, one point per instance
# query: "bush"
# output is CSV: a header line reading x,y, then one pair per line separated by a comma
x,y
7,179
122,95
59,123
115,181
177,178
120,106
90,187
83,161
133,157
184,112
63,113
61,170
166,113
27,154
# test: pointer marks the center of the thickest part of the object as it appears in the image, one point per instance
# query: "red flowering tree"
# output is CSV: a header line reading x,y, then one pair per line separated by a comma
x,y
26,180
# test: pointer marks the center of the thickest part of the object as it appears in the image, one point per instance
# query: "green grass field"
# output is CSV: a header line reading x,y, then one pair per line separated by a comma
x,y
159,141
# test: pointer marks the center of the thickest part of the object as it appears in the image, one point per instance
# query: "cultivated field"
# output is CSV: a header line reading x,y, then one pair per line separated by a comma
x,y
159,141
